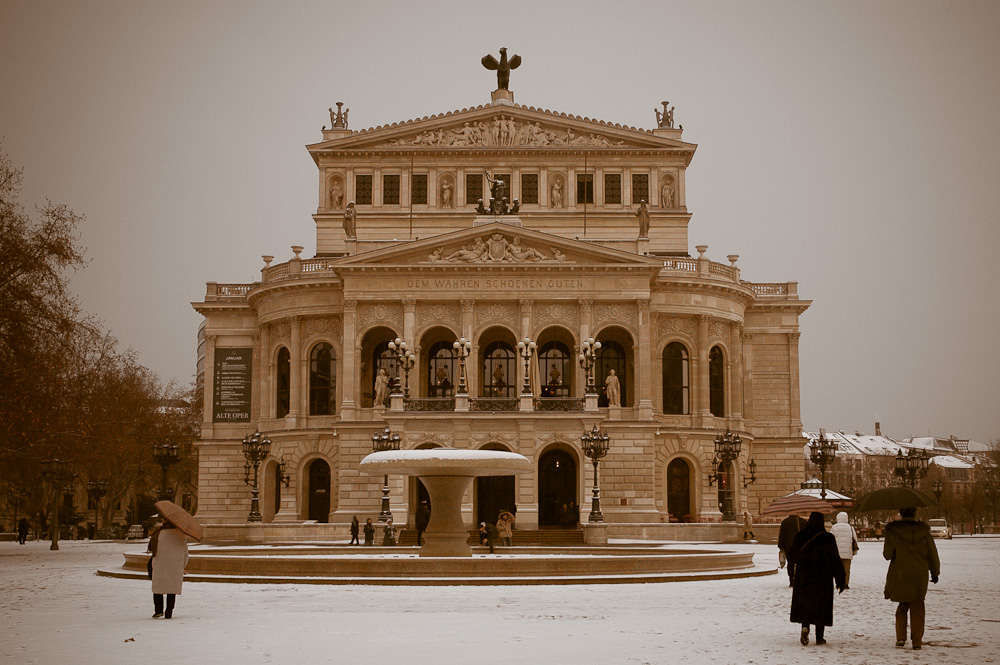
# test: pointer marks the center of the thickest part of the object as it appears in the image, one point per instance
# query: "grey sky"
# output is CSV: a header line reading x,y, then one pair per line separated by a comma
x,y
850,146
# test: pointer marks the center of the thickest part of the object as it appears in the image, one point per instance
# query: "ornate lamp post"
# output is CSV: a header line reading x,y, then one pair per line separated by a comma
x,y
97,489
404,361
595,446
527,349
381,442
256,448
752,478
462,347
727,449
938,488
52,471
588,356
165,454
912,466
823,453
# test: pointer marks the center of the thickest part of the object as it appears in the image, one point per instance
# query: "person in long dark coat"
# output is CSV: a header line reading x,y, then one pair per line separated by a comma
x,y
817,568
912,555
790,527
22,530
423,519
369,532
355,531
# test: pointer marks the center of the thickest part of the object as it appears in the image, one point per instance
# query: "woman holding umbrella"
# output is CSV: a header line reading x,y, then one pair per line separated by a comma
x,y
170,555
817,568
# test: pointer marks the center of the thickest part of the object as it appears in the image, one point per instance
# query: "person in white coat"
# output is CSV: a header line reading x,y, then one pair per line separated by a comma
x,y
170,557
847,542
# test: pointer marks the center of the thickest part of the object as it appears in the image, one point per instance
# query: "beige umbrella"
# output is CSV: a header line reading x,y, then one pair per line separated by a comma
x,y
180,518
797,504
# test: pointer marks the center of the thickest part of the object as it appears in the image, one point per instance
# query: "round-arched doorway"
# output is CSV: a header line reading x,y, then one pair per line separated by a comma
x,y
557,492
679,490
318,500
494,493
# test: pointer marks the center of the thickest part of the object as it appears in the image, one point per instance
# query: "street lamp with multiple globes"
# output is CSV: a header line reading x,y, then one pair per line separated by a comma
x,y
382,442
165,454
256,448
727,450
98,489
404,361
912,466
52,471
823,453
462,347
527,349
595,446
588,356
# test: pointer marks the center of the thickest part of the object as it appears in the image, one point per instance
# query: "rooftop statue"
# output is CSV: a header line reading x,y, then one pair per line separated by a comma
x,y
502,68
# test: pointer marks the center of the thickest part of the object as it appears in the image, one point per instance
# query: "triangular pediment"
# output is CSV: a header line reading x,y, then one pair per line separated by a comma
x,y
498,245
501,126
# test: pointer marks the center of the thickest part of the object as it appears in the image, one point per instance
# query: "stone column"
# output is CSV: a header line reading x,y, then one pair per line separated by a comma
x,y
255,372
468,322
264,378
645,388
295,370
748,373
209,380
736,335
569,191
543,188
793,383
349,371
703,396
409,336
586,322
459,195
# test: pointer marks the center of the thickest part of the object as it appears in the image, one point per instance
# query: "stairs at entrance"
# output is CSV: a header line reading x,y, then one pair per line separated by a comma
x,y
521,538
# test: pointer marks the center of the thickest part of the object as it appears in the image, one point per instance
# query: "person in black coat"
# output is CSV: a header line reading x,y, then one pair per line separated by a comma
x,y
423,519
22,530
790,526
355,531
369,532
817,568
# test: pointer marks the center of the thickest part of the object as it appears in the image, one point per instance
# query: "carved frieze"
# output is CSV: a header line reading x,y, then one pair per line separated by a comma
x,y
496,312
443,313
283,331
391,314
321,325
495,248
415,439
480,439
719,329
666,325
505,130
558,312
622,313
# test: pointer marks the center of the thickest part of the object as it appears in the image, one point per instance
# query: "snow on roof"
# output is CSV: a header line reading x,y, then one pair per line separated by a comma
x,y
859,444
950,462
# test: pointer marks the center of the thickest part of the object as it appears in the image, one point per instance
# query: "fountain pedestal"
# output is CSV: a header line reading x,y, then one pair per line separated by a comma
x,y
446,474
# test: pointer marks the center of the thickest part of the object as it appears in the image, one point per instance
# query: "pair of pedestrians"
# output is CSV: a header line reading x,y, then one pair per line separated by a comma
x,y
817,564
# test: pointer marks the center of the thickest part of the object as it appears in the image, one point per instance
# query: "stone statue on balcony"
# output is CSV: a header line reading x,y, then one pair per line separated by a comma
x,y
643,214
381,388
612,388
350,221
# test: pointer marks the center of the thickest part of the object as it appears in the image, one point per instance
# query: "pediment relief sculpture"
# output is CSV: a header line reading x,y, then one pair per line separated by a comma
x,y
496,249
505,130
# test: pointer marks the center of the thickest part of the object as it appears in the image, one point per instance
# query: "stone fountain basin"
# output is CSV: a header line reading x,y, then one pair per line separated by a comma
x,y
446,474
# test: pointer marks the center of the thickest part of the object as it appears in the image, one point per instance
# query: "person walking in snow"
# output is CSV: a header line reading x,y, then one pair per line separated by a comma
x,y
355,531
847,544
170,558
817,568
790,526
912,554
747,527
22,530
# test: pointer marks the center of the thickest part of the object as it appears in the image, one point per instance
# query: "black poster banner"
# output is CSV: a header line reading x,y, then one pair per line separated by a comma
x,y
233,378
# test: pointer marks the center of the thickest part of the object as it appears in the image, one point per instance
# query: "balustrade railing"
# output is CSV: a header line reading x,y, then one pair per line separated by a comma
x,y
429,404
493,404
769,289
559,403
687,265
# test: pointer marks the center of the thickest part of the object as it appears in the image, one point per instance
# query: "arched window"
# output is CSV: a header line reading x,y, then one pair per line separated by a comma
x,y
441,370
676,386
322,381
554,369
498,370
611,356
283,387
716,383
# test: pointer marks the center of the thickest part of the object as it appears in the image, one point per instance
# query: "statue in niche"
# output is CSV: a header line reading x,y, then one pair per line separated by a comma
x,y
557,194
643,214
336,195
446,195
381,388
667,195
350,221
612,388
502,68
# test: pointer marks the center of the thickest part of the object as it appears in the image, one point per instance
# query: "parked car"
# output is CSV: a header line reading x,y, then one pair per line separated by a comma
x,y
940,528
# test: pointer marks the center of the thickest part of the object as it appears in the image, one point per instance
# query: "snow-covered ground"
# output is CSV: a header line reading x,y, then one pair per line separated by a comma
x,y
53,609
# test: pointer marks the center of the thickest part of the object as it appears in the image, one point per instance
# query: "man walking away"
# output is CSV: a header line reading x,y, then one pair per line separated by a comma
x,y
912,554
790,526
423,519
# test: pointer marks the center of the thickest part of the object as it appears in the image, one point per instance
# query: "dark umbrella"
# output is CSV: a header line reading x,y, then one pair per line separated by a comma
x,y
797,504
893,498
